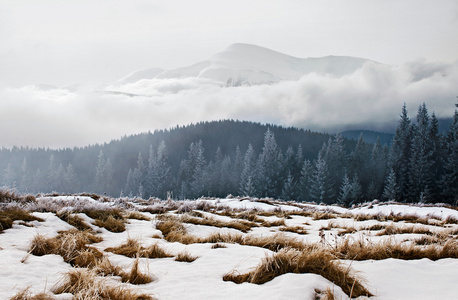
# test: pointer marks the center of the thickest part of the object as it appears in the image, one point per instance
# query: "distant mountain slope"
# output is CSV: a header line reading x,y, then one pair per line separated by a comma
x,y
123,153
369,136
245,64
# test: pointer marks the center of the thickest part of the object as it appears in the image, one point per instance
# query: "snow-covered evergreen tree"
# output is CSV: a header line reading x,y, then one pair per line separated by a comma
x,y
248,172
390,192
345,195
9,176
289,188
305,181
321,189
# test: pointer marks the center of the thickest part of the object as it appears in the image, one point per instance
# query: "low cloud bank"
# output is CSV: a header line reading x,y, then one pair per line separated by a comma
x,y
369,98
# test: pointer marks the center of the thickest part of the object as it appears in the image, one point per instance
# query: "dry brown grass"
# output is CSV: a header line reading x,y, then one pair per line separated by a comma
x,y
132,248
395,229
111,219
279,222
322,215
8,216
327,294
71,245
135,276
185,256
25,294
74,220
84,284
315,261
8,196
218,245
347,230
451,220
137,216
294,229
364,250
241,225
275,242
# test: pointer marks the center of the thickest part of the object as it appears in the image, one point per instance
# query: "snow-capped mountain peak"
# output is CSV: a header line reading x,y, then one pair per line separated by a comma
x,y
246,64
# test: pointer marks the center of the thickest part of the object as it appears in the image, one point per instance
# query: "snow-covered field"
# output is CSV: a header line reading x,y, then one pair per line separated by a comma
x,y
324,226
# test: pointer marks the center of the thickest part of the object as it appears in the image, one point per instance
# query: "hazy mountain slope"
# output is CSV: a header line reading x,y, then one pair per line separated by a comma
x,y
245,64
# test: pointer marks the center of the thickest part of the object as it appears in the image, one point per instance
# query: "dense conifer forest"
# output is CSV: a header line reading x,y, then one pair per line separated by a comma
x,y
249,159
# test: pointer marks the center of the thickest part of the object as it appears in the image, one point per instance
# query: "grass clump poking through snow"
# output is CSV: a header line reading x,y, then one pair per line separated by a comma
x,y
135,276
84,284
294,229
185,256
112,220
71,245
173,230
132,248
363,250
25,294
241,225
9,215
137,216
314,261
73,220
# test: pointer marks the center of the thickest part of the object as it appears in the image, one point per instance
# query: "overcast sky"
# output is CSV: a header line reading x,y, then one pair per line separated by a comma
x,y
93,41
60,42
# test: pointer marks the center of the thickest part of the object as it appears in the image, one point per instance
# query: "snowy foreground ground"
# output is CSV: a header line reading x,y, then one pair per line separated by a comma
x,y
390,278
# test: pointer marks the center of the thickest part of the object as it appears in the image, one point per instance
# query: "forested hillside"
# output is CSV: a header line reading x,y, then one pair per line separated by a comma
x,y
249,159
74,170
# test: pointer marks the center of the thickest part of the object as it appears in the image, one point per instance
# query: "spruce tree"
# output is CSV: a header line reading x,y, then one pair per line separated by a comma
x,y
390,192
345,192
321,189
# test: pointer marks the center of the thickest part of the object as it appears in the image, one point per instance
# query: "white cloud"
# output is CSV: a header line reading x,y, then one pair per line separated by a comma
x,y
370,97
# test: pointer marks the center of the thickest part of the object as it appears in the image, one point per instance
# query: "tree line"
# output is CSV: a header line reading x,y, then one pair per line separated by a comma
x,y
420,165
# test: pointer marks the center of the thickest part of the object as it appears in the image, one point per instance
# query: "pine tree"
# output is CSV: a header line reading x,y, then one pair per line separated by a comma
x,y
390,191
321,189
305,181
289,188
400,154
268,167
99,173
377,170
450,178
420,160
9,177
51,175
356,190
71,183
248,173
345,192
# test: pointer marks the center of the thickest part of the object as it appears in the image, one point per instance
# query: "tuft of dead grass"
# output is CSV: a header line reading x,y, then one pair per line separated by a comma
x,y
364,250
25,294
185,256
279,222
314,261
111,219
322,215
74,220
84,284
132,248
394,229
9,215
71,245
294,229
135,276
218,245
137,216
327,294
241,225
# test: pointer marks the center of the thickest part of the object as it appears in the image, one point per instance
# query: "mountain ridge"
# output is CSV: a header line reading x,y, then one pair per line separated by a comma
x,y
246,64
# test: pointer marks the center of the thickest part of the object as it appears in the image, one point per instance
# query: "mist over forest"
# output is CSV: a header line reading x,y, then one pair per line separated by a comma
x,y
216,159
